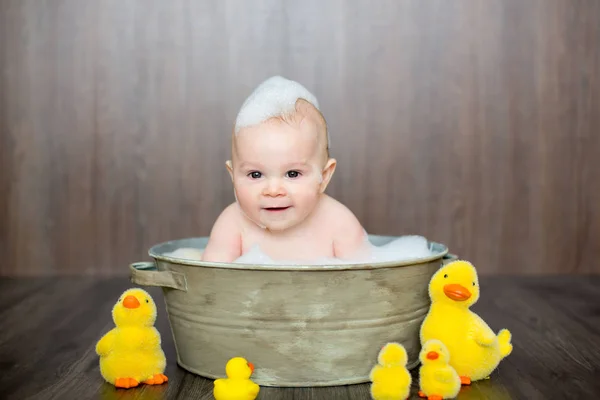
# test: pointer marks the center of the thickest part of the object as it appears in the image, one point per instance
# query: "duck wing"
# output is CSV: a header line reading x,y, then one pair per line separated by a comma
x,y
253,389
443,375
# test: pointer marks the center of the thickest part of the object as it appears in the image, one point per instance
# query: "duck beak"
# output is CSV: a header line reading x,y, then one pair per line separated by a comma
x,y
457,292
251,366
131,302
432,355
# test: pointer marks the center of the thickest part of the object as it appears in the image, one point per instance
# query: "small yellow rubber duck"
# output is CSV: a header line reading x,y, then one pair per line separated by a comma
x,y
131,353
237,385
475,350
437,379
391,379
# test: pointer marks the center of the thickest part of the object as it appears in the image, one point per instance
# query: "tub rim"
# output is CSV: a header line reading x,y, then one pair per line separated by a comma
x,y
441,255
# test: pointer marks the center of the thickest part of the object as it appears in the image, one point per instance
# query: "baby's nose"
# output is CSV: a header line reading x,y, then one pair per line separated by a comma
x,y
274,187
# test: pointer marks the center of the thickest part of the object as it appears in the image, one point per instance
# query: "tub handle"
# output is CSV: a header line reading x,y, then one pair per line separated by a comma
x,y
145,273
448,258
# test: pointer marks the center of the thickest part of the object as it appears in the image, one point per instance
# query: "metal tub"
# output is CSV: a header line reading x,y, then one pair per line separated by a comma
x,y
299,325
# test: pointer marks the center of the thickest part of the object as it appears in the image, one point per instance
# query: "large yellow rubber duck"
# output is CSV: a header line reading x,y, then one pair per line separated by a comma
x,y
437,379
131,353
391,380
475,350
237,385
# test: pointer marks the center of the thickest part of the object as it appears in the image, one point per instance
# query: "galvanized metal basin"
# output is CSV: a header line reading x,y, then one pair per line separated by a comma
x,y
299,325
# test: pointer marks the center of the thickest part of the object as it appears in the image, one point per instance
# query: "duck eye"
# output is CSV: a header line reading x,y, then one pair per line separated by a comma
x,y
147,301
473,283
445,275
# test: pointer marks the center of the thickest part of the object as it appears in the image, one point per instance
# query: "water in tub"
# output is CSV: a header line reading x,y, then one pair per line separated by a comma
x,y
403,248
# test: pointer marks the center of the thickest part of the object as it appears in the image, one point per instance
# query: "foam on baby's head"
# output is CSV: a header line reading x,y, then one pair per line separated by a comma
x,y
277,97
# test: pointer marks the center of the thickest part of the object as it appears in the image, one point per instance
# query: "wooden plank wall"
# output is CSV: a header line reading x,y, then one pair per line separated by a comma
x,y
474,123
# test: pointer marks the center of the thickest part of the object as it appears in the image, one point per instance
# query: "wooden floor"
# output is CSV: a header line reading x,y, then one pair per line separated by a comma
x,y
50,327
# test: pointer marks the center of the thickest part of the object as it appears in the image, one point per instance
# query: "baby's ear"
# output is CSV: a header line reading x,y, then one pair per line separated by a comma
x,y
328,173
229,167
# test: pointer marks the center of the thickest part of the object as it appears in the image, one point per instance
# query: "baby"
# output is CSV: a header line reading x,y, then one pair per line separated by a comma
x,y
280,167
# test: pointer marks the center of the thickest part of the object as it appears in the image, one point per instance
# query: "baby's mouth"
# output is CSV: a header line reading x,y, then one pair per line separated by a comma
x,y
276,209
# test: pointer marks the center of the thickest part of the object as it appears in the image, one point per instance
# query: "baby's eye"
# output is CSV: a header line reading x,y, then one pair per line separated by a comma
x,y
254,174
293,174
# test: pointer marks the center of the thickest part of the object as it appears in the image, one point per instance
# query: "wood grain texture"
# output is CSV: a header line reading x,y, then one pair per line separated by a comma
x,y
555,322
475,124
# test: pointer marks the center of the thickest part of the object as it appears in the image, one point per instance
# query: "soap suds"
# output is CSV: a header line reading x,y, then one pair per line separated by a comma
x,y
274,97
187,253
403,248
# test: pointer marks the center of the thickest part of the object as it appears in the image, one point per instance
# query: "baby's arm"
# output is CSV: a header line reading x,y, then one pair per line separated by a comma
x,y
225,242
350,239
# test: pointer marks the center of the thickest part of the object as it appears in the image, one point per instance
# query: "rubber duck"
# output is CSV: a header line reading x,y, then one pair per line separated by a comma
x,y
237,385
131,352
437,379
475,350
390,377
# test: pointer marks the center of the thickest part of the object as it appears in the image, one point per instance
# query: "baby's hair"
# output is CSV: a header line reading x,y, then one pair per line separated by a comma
x,y
281,99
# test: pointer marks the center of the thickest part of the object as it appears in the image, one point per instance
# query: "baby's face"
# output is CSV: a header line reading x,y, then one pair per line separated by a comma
x,y
279,171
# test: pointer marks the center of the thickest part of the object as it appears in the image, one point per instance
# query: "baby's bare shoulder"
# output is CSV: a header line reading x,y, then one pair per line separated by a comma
x,y
339,215
224,243
231,213
334,207
349,236
228,220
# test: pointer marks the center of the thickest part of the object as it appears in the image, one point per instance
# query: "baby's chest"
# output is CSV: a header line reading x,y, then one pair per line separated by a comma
x,y
303,246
